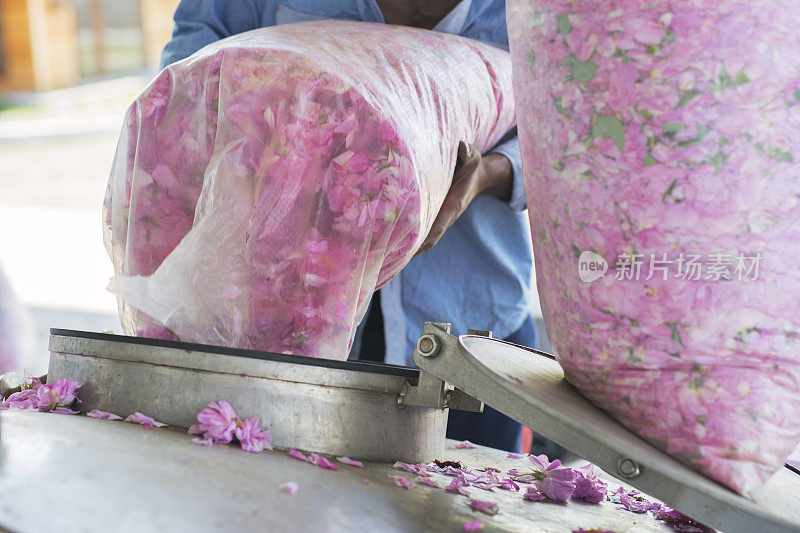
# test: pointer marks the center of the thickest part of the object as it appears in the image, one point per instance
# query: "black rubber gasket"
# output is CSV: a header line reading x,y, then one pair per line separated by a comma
x,y
357,366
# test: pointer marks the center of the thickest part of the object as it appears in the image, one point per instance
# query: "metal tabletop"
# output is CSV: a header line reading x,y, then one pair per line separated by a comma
x,y
74,473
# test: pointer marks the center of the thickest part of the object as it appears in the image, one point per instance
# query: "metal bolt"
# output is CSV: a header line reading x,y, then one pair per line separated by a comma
x,y
627,468
428,346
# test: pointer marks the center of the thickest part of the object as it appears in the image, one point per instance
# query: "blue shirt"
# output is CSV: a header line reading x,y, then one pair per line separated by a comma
x,y
479,274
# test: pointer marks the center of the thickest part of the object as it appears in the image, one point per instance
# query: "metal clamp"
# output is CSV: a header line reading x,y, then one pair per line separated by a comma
x,y
431,391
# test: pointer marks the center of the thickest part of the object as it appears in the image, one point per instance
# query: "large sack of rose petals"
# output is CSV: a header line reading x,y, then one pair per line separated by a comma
x,y
264,187
662,138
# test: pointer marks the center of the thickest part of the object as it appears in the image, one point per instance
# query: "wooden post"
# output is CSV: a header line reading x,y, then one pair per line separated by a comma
x,y
97,18
156,17
39,43
15,45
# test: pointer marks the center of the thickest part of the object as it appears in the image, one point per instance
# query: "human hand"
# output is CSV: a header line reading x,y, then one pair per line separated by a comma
x,y
474,174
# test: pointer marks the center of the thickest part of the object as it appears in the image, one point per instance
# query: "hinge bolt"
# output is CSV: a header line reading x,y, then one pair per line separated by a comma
x,y
428,346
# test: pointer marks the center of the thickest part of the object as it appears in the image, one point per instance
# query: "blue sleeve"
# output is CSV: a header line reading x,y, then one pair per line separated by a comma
x,y
509,147
202,22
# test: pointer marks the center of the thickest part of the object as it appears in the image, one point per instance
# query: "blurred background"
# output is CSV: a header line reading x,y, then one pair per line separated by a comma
x,y
68,71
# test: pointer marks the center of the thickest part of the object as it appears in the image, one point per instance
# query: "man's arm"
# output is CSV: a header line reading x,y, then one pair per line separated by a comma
x,y
202,22
498,173
509,147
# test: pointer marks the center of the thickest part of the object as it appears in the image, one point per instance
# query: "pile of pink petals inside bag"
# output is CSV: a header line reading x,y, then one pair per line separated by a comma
x,y
661,156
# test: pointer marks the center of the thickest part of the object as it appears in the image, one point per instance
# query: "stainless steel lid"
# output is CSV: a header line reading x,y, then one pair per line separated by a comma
x,y
334,407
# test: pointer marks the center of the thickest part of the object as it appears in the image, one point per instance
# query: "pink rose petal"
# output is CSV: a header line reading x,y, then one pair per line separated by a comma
x,y
508,484
64,411
534,492
289,487
350,462
143,420
557,481
252,438
450,471
428,481
294,454
207,441
103,415
466,444
458,485
402,482
60,393
218,421
24,400
489,508
631,500
473,526
678,520
588,486
412,469
322,462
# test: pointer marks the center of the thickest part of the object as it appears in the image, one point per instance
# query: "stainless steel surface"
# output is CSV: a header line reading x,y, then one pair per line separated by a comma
x,y
529,386
76,474
329,410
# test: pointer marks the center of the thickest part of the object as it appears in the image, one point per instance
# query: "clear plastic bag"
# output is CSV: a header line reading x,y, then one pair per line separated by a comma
x,y
264,187
666,136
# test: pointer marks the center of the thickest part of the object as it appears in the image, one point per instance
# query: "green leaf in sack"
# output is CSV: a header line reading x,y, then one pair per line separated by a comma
x,y
563,24
584,72
609,126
